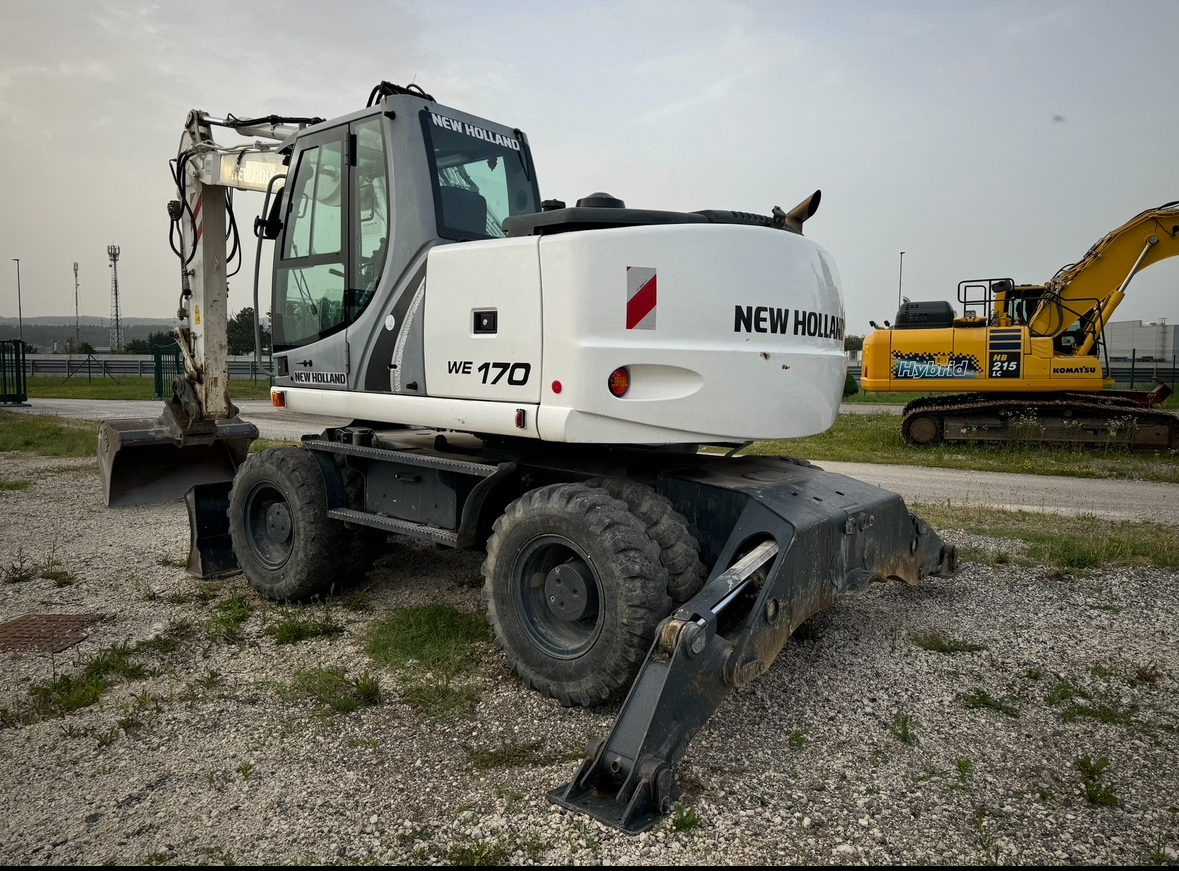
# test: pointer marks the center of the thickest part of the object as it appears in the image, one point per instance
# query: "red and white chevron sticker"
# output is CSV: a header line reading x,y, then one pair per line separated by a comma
x,y
641,297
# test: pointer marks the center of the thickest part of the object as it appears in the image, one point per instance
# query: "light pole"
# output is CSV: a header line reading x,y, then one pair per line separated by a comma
x,y
76,329
900,278
20,318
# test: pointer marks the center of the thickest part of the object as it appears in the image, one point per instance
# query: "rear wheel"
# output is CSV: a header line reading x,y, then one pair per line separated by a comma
x,y
285,543
679,552
574,590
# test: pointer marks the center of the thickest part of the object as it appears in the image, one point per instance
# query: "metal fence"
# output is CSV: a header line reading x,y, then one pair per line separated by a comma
x,y
13,389
125,366
168,364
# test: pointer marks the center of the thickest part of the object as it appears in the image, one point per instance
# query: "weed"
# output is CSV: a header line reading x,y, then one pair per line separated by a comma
x,y
358,601
13,486
582,838
1034,673
1102,671
474,853
798,738
158,858
965,769
229,616
509,795
938,641
438,637
1158,854
173,563
515,754
297,625
335,691
984,839
210,680
684,819
1146,675
810,630
245,769
20,571
904,728
107,738
129,724
982,699
1092,771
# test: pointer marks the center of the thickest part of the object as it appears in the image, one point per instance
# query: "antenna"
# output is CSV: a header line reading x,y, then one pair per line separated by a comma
x,y
112,251
77,344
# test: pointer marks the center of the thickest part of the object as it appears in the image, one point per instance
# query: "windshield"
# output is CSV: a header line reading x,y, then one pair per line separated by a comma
x,y
480,177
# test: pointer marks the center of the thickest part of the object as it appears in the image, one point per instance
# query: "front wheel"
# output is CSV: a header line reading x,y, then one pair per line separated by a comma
x,y
574,590
285,543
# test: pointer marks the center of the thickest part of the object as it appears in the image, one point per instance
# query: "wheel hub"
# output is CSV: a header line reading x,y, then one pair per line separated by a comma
x,y
570,591
278,522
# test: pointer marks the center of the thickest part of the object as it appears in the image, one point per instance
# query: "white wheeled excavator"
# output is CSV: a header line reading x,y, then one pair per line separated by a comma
x,y
536,379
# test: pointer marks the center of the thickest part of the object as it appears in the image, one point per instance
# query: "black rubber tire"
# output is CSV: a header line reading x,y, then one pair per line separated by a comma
x,y
281,487
593,657
679,551
364,545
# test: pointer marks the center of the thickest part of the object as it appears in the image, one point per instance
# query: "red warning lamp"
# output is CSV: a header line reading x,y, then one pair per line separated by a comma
x,y
619,381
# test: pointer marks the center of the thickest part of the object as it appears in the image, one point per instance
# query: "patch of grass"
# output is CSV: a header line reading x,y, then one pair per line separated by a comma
x,y
1101,711
982,699
300,625
170,562
904,728
245,769
1070,543
1035,672
473,853
518,754
937,641
125,387
1092,771
438,637
441,697
14,486
684,819
1064,691
1101,670
333,689
798,738
876,438
229,615
1158,855
47,436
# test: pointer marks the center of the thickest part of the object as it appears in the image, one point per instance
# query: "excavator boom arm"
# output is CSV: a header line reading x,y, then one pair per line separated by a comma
x,y
1098,280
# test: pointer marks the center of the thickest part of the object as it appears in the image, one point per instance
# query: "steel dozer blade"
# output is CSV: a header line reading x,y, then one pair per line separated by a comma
x,y
789,540
144,461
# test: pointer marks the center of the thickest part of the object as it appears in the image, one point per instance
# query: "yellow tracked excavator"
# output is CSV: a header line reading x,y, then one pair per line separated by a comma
x,y
1024,362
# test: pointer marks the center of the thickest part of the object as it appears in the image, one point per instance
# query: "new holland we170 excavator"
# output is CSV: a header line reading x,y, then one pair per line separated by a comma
x,y
532,378
1028,354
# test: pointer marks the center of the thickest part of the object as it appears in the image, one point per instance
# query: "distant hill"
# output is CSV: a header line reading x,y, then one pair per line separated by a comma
x,y
43,332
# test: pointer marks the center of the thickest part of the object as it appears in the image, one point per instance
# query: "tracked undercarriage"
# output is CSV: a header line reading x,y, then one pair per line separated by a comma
x,y
1075,419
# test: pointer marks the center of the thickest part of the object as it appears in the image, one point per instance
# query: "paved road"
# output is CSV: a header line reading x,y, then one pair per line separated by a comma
x,y
272,423
870,408
1117,500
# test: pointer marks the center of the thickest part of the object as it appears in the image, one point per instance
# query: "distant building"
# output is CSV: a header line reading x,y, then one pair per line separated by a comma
x,y
1153,341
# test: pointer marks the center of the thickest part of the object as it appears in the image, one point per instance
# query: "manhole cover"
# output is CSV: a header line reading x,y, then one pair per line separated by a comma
x,y
50,633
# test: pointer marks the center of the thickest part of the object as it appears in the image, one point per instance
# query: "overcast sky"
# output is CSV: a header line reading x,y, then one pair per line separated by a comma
x,y
983,139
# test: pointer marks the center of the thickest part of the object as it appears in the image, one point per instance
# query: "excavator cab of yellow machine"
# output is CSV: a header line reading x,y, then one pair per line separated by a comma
x,y
144,460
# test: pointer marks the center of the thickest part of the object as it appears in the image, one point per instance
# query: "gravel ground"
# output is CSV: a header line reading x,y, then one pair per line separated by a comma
x,y
211,758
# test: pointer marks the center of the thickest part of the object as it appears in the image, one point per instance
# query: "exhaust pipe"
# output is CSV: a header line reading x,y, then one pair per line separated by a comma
x,y
796,217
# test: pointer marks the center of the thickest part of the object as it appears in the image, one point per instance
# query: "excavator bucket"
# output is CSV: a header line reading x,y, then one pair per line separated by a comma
x,y
788,540
144,461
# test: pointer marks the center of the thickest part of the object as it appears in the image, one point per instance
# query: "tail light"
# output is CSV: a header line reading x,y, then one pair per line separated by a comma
x,y
619,382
